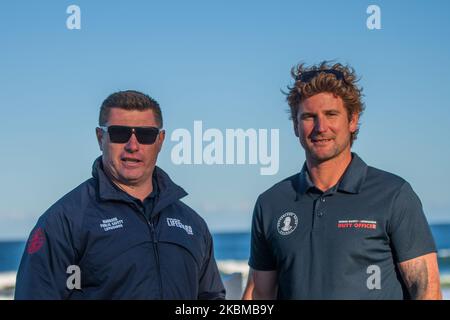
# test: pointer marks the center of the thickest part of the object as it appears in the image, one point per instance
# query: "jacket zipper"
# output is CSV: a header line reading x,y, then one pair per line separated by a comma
x,y
155,249
156,253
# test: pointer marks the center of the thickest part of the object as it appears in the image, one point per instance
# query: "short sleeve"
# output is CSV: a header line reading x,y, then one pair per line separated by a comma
x,y
408,228
261,257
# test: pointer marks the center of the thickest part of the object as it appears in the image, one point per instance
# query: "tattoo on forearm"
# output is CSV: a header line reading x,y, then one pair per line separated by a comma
x,y
415,274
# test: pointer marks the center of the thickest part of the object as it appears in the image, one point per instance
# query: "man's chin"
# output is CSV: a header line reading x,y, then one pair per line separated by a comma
x,y
131,179
320,157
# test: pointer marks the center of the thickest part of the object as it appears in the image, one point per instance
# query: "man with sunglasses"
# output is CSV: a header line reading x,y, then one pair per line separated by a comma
x,y
124,233
339,229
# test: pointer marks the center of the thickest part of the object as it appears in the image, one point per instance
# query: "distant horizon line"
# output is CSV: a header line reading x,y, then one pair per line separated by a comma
x,y
218,232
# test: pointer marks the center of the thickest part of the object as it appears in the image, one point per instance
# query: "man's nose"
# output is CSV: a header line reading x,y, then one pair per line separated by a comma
x,y
321,124
132,145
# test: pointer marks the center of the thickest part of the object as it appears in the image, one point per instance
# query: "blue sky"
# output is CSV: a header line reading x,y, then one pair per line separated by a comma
x,y
224,63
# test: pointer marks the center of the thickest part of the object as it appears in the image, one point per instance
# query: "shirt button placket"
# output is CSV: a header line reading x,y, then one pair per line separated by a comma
x,y
318,210
322,202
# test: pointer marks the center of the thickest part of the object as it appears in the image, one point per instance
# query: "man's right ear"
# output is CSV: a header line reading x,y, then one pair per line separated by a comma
x,y
295,123
99,133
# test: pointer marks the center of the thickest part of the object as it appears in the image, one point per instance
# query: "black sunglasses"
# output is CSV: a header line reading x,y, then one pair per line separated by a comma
x,y
309,75
122,134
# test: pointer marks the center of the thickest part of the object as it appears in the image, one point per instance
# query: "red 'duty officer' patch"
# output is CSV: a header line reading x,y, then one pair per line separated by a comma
x,y
36,241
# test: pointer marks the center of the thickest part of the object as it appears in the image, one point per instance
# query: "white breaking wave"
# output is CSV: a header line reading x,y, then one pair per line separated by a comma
x,y
233,266
444,253
7,280
7,284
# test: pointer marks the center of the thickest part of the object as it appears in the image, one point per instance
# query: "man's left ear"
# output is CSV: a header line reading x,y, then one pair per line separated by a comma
x,y
99,134
354,122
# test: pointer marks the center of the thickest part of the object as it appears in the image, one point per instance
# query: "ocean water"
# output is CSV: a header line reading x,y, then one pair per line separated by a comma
x,y
10,255
231,246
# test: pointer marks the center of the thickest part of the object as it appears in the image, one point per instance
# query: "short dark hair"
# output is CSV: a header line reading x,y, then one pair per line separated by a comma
x,y
129,100
338,79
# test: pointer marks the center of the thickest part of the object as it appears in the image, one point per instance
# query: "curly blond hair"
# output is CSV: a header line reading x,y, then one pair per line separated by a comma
x,y
334,78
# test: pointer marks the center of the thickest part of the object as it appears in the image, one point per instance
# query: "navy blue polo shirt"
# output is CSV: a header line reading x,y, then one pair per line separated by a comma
x,y
343,243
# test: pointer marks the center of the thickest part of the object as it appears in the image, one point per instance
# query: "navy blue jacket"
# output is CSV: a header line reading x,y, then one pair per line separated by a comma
x,y
120,253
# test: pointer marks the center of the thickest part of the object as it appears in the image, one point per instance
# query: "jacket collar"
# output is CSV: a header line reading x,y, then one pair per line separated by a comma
x,y
168,191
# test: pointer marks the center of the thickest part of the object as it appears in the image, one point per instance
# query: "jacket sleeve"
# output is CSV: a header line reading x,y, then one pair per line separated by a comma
x,y
211,286
47,255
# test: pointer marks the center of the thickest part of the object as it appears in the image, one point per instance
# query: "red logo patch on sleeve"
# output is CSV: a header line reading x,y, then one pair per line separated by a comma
x,y
36,241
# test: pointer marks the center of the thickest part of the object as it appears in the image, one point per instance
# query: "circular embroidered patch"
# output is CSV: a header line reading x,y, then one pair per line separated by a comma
x,y
287,223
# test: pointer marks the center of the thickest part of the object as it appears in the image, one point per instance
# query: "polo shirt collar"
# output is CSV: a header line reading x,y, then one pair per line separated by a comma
x,y
354,176
350,182
305,181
